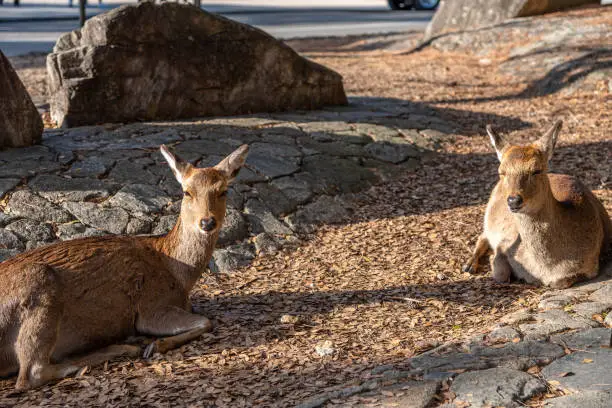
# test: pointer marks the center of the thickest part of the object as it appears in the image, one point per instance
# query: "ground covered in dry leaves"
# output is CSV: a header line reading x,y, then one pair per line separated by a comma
x,y
386,285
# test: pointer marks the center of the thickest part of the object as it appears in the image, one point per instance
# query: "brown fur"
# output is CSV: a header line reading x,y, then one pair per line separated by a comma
x,y
557,236
76,296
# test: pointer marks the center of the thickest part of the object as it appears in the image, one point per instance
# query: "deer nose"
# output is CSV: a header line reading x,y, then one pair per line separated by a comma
x,y
208,224
515,202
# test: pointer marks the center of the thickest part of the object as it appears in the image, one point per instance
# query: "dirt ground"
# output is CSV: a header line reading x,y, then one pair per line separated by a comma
x,y
386,285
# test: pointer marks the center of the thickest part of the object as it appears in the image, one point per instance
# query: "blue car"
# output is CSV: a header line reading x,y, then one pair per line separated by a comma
x,y
410,4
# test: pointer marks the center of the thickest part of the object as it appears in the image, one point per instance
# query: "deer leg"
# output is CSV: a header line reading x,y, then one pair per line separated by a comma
x,y
473,264
502,271
106,354
179,324
40,312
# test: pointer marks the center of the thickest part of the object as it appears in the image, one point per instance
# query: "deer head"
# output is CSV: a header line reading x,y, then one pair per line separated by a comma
x,y
205,189
523,169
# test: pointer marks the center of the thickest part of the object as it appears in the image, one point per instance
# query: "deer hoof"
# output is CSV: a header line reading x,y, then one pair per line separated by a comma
x,y
150,350
468,268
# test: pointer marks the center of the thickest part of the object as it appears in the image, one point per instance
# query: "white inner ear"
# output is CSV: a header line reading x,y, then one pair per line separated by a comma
x,y
497,150
172,163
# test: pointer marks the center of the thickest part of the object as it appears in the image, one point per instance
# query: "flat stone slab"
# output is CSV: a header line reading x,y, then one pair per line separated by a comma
x,y
96,180
603,295
502,387
582,371
410,394
593,338
588,399
59,189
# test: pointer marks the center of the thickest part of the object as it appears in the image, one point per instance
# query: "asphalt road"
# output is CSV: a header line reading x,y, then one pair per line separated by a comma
x,y
36,28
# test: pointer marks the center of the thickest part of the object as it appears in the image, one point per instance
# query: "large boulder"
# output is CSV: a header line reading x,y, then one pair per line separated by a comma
x,y
20,122
459,15
167,61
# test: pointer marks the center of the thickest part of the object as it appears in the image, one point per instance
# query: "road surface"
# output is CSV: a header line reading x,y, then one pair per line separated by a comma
x,y
35,27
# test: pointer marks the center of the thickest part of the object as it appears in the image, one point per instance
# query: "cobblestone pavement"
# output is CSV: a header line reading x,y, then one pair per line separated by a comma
x,y
558,356
111,179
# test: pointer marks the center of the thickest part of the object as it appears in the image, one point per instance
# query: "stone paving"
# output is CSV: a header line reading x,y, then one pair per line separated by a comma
x,y
562,350
111,179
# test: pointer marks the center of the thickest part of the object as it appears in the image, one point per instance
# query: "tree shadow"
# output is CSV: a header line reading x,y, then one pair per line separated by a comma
x,y
584,61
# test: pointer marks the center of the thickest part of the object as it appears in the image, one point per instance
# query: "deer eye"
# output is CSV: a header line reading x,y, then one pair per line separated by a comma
x,y
502,174
187,194
223,193
536,172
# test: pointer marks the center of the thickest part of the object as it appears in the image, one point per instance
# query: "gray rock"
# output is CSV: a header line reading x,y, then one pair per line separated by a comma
x,y
6,219
113,220
592,338
603,295
588,309
7,184
460,15
29,230
336,149
582,371
274,150
555,302
262,220
265,244
165,224
35,244
241,61
409,394
505,333
127,137
27,154
231,258
271,167
528,352
59,189
587,399
8,240
126,171
140,198
138,226
391,153
26,168
19,119
519,316
26,204
554,321
234,227
338,174
448,362
91,166
296,188
8,253
324,209
274,199
74,230
496,387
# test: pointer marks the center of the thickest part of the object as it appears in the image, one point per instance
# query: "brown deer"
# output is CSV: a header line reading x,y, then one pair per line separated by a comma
x,y
73,297
543,228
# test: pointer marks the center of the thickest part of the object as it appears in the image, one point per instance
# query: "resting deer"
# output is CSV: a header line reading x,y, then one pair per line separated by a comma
x,y
73,297
543,228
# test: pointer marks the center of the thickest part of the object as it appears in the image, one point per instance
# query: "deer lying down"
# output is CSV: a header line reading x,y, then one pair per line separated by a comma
x,y
543,228
77,296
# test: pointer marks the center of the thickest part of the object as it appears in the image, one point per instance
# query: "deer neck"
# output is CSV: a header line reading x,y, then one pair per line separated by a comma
x,y
539,229
187,252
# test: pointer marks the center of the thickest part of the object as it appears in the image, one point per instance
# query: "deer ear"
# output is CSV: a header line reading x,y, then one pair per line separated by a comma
x,y
231,165
549,139
498,142
178,166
